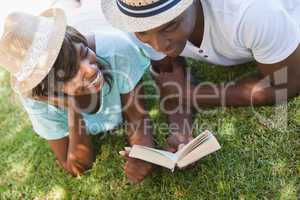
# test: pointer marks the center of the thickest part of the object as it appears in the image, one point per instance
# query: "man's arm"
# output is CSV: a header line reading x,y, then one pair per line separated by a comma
x,y
274,84
178,110
264,89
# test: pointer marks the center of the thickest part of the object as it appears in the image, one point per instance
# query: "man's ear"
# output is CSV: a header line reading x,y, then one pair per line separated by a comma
x,y
91,42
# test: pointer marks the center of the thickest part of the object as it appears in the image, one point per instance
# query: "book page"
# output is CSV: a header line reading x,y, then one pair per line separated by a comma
x,y
155,156
211,145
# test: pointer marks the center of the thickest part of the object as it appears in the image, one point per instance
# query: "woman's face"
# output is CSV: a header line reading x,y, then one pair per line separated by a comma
x,y
89,78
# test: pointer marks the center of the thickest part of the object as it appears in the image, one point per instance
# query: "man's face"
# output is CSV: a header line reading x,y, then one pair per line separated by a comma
x,y
171,37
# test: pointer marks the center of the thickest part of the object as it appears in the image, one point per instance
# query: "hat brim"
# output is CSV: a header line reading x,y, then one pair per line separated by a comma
x,y
139,24
53,48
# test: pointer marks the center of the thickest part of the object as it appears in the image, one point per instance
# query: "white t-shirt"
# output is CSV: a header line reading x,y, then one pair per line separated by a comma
x,y
239,31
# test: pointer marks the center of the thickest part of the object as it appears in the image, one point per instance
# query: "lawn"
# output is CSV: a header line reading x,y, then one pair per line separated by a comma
x,y
259,159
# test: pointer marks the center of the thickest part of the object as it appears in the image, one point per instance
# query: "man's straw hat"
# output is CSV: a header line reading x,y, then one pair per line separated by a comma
x,y
30,45
142,15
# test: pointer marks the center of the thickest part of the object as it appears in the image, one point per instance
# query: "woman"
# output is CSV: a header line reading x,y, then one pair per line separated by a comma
x,y
72,86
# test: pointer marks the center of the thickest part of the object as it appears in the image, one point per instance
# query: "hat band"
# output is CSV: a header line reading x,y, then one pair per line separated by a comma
x,y
37,50
147,10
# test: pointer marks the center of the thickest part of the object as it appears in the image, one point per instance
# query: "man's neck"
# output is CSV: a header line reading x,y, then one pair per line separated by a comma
x,y
197,35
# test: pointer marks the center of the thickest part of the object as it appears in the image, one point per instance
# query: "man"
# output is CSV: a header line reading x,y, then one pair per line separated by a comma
x,y
222,32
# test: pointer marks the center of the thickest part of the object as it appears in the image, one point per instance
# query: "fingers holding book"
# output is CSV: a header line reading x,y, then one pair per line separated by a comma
x,y
197,148
135,169
126,152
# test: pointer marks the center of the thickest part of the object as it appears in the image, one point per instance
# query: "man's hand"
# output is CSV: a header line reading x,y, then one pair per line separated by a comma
x,y
135,169
176,141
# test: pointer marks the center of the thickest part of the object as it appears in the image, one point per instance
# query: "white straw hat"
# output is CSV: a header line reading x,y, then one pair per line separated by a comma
x,y
142,15
30,45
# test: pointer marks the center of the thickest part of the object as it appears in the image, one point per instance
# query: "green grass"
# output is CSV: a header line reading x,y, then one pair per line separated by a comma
x,y
257,160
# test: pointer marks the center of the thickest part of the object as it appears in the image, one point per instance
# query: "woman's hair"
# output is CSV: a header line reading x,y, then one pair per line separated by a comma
x,y
66,65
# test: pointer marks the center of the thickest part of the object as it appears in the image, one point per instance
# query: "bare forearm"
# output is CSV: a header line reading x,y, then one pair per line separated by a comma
x,y
139,128
179,111
249,91
179,117
140,132
80,152
77,129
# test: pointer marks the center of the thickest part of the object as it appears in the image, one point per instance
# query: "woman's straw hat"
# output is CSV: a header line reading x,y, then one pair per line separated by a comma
x,y
142,15
30,45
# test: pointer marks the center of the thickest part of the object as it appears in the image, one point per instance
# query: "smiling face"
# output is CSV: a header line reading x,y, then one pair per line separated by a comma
x,y
88,78
76,70
171,38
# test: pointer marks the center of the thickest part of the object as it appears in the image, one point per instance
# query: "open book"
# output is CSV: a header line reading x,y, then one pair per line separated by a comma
x,y
202,145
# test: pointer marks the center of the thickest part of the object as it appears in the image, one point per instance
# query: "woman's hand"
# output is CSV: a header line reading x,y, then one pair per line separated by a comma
x,y
136,170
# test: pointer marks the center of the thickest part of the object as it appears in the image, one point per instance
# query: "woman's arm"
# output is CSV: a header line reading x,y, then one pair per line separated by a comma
x,y
139,131
74,153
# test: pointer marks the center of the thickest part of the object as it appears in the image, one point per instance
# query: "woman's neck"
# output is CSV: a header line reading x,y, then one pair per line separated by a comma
x,y
88,103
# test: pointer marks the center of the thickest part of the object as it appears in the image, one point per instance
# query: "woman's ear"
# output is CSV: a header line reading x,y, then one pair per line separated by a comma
x,y
57,101
40,98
